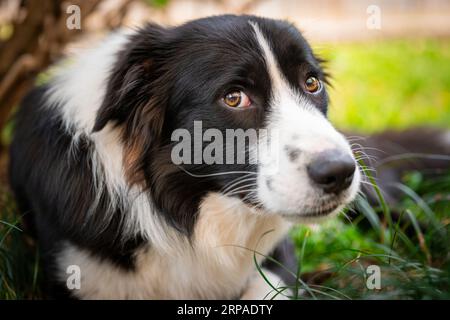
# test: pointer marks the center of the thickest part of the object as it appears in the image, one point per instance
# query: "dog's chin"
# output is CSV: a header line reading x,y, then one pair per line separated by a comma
x,y
312,215
309,215
323,210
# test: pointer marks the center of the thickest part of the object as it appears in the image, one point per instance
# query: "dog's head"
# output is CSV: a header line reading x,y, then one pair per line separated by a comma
x,y
186,96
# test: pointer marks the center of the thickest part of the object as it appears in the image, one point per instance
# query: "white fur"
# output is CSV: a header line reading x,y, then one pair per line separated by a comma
x,y
218,264
77,92
297,124
259,289
80,84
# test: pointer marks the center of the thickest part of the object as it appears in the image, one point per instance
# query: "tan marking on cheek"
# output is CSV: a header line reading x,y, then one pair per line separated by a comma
x,y
130,162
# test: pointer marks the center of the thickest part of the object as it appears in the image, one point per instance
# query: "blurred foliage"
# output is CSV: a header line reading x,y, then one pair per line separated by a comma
x,y
389,84
20,274
377,85
6,31
413,254
157,3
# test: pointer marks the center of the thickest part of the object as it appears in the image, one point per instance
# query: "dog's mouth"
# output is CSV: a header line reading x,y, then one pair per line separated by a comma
x,y
312,213
320,211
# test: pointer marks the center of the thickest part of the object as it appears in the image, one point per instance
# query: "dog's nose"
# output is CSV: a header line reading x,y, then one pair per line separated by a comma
x,y
332,170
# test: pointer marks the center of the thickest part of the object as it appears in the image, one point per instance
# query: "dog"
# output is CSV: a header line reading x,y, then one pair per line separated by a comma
x,y
92,161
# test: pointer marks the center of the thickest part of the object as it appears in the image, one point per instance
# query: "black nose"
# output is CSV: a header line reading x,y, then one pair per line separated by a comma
x,y
332,170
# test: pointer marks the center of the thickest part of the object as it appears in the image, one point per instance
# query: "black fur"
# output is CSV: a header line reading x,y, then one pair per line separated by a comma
x,y
163,79
52,181
200,60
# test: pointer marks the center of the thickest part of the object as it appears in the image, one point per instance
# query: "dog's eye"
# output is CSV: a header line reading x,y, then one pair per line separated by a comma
x,y
313,85
236,99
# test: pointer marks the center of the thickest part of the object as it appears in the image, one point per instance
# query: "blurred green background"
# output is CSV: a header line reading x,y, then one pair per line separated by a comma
x,y
393,78
391,84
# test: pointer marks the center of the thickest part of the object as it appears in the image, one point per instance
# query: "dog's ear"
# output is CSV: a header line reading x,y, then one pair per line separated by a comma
x,y
135,96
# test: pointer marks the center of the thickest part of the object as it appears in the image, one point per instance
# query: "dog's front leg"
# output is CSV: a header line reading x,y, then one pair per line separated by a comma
x,y
259,289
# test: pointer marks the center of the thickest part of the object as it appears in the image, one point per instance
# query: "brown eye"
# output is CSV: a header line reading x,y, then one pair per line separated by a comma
x,y
236,99
312,85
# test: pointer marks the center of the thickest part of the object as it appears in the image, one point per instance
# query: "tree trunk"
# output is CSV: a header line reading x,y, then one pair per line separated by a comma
x,y
39,36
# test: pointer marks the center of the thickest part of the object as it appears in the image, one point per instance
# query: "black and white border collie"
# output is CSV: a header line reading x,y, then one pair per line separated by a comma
x,y
91,159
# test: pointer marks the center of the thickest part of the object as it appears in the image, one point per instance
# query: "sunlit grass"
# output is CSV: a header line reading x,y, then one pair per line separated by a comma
x,y
389,84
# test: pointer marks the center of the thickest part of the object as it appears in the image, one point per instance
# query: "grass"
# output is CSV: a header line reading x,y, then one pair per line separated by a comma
x,y
412,254
379,85
157,3
20,276
391,84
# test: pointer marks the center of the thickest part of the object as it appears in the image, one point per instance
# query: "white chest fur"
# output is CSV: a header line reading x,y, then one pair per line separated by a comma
x,y
218,263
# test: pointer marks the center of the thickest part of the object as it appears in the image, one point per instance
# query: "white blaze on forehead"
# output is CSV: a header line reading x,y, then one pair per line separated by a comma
x,y
285,98
282,93
292,112
283,184
272,65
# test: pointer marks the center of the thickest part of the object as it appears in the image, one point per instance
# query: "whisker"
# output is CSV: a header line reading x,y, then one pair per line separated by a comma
x,y
361,148
241,187
362,155
369,180
214,174
237,183
369,169
369,184
240,191
237,180
356,138
346,216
